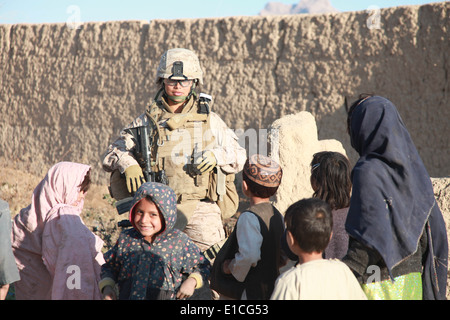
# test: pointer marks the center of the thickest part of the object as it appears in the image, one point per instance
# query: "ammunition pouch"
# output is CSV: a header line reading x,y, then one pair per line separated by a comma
x,y
222,190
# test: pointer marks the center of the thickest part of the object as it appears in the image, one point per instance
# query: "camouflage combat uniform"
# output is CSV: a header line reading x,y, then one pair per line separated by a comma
x,y
180,137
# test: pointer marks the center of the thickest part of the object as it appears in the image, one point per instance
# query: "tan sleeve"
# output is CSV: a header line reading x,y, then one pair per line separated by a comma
x,y
119,154
229,154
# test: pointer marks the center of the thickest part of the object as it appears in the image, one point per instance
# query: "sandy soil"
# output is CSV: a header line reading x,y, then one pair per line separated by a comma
x,y
99,214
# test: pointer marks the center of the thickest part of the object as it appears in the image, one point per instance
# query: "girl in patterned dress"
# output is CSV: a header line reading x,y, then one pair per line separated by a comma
x,y
153,260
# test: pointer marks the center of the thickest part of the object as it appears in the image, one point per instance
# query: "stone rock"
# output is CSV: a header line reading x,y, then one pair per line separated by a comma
x,y
294,140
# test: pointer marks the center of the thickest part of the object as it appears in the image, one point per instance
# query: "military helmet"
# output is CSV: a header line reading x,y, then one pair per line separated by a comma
x,y
179,64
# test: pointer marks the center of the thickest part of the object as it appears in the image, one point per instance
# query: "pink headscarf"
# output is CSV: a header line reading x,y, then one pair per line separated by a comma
x,y
49,235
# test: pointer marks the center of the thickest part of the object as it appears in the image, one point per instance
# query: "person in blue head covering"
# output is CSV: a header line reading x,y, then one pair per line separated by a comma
x,y
398,245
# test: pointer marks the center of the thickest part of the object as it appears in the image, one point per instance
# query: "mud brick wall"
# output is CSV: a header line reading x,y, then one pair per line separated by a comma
x,y
66,93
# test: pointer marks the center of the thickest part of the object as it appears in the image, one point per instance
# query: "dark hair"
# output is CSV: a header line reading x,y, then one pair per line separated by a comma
x,y
362,97
310,222
331,178
84,186
257,189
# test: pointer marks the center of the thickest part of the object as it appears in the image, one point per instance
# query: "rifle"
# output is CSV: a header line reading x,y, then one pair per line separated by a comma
x,y
142,153
142,150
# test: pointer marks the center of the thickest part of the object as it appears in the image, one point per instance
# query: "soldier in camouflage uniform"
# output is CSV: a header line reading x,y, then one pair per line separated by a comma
x,y
189,145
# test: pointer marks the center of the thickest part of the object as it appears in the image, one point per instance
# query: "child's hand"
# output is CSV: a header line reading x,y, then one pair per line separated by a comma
x,y
109,293
187,288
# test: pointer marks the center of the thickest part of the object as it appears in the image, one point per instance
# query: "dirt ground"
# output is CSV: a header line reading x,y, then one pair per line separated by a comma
x,y
99,214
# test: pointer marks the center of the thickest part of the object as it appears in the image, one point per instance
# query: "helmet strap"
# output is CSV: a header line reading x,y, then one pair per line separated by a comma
x,y
177,99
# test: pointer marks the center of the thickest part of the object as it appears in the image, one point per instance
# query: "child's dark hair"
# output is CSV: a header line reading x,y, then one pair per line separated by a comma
x,y
84,186
310,222
257,189
331,178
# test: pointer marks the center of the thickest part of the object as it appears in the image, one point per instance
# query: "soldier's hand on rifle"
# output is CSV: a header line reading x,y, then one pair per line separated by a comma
x,y
207,162
134,177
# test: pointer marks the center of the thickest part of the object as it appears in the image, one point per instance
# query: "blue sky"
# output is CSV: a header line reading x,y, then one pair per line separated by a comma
x,y
49,11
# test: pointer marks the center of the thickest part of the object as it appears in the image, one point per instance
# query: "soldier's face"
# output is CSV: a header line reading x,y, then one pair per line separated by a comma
x,y
177,90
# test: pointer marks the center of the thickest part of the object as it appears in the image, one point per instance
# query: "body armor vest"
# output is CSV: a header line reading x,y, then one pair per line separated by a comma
x,y
179,142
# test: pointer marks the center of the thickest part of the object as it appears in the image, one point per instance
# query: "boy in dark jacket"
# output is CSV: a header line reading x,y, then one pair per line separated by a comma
x,y
256,253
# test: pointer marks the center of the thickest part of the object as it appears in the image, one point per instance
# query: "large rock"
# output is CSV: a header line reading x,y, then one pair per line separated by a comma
x,y
294,140
441,188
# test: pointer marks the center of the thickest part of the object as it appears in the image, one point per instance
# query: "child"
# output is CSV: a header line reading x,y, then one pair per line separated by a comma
x,y
331,182
253,253
58,257
150,260
309,224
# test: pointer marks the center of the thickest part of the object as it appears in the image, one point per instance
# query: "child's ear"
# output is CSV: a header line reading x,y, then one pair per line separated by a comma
x,y
290,238
244,186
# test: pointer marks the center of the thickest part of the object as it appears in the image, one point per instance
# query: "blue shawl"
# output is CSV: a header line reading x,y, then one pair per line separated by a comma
x,y
393,201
